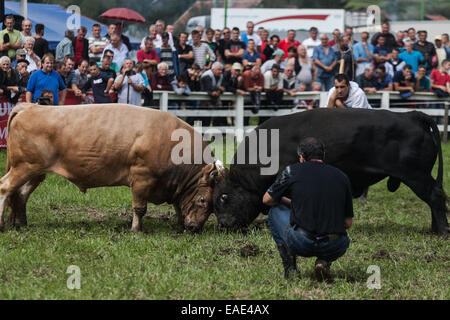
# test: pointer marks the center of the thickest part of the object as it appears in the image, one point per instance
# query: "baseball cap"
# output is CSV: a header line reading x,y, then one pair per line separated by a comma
x,y
21,52
278,52
236,66
438,38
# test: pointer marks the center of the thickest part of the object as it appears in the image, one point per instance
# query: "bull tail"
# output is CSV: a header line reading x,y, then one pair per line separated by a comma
x,y
431,124
437,140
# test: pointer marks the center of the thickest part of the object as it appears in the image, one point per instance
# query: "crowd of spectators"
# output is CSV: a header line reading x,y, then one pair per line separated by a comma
x,y
216,61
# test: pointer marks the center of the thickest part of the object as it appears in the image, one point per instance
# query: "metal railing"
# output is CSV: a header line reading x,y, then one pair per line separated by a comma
x,y
241,101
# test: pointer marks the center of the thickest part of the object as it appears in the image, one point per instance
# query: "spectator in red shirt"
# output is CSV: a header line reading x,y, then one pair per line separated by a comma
x,y
148,56
440,80
81,45
264,43
289,41
335,35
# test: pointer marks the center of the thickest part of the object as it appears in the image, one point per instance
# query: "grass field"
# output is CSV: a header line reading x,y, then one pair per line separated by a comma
x,y
91,231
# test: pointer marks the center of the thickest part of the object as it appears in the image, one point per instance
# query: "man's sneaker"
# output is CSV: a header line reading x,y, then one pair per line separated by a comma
x,y
322,270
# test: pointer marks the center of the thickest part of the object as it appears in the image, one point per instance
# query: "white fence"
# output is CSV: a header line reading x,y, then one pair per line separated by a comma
x,y
386,98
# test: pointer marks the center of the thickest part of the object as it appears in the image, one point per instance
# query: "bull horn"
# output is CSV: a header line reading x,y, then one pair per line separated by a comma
x,y
220,167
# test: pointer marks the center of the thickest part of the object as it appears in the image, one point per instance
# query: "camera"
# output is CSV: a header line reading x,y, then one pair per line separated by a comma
x,y
45,100
130,73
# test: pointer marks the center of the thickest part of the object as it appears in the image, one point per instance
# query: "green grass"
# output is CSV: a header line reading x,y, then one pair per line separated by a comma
x,y
91,231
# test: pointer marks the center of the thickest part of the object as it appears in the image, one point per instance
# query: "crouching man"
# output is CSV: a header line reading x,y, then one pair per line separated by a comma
x,y
321,209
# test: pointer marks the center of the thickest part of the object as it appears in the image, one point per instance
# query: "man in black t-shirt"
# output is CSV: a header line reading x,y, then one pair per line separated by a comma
x,y
235,48
426,48
320,199
40,44
222,43
185,52
100,84
405,82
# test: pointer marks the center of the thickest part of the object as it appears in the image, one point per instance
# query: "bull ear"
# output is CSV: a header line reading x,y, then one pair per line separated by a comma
x,y
207,171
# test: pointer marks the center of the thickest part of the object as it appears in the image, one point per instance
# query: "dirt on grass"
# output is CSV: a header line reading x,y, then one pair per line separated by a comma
x,y
249,251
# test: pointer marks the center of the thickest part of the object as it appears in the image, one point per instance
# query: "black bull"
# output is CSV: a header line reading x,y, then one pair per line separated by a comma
x,y
368,145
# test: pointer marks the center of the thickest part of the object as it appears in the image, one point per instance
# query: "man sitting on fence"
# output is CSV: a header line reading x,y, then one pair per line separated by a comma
x,y
384,80
233,80
423,79
346,94
253,81
368,81
211,81
181,88
160,80
405,82
273,86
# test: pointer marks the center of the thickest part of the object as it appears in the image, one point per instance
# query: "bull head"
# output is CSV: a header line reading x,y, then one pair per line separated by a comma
x,y
201,205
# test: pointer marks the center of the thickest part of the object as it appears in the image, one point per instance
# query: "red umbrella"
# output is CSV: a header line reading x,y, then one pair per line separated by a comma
x,y
123,14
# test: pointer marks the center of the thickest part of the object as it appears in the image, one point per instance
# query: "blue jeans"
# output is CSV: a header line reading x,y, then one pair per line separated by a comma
x,y
297,243
327,83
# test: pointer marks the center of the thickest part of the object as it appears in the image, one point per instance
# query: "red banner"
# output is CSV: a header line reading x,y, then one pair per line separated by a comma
x,y
5,109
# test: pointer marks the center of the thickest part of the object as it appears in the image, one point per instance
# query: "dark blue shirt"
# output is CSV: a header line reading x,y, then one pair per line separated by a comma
x,y
249,57
40,81
98,85
400,78
384,83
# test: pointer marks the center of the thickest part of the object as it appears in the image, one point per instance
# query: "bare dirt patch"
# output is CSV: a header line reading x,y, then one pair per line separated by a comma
x,y
249,251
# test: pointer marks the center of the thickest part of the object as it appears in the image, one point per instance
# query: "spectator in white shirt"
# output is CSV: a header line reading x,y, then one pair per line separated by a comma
x,y
119,49
312,41
154,36
97,43
346,94
31,57
245,36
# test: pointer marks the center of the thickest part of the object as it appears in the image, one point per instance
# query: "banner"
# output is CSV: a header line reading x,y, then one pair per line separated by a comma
x,y
5,110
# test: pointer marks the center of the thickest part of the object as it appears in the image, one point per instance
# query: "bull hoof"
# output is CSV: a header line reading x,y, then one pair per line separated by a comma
x,y
445,231
362,200
136,229
20,223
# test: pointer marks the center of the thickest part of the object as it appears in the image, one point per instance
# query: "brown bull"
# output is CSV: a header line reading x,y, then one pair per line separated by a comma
x,y
105,145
